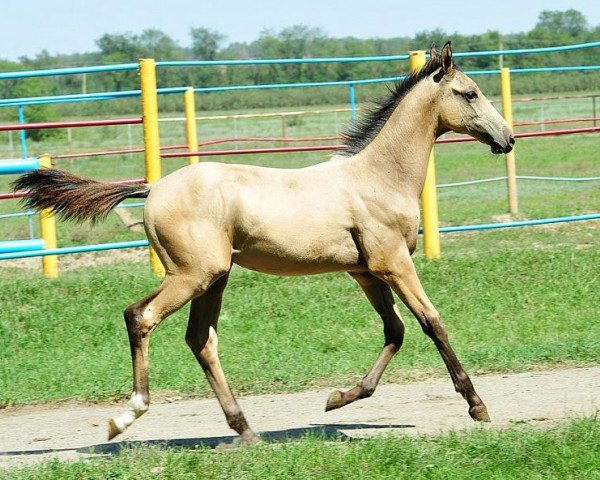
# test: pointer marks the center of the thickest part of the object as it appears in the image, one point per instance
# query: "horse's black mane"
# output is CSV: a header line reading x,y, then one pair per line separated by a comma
x,y
363,131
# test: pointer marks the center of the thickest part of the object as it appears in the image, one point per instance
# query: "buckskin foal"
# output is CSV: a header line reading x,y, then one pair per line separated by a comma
x,y
358,213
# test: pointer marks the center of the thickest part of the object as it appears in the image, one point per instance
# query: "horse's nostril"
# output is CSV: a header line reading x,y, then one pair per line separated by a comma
x,y
511,140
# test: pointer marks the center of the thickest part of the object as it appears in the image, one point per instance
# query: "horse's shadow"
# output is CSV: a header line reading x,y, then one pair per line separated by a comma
x,y
324,431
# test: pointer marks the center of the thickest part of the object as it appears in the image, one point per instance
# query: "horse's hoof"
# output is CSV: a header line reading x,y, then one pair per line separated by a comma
x,y
334,401
479,413
244,440
249,438
113,430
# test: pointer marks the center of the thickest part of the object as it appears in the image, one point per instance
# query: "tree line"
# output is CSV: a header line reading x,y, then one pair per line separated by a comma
x,y
552,28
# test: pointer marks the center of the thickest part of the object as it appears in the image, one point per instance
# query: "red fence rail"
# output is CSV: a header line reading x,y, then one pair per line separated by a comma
x,y
74,124
248,151
208,153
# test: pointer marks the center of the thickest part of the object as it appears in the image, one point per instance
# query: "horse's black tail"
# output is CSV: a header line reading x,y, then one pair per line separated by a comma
x,y
73,197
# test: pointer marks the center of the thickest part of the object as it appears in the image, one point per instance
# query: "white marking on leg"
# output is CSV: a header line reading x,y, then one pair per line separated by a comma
x,y
136,407
395,307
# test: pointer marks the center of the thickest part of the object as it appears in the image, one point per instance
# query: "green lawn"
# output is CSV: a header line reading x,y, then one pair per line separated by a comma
x,y
570,451
512,300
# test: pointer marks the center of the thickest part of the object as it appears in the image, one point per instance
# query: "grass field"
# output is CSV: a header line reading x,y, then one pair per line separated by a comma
x,y
509,297
507,307
569,451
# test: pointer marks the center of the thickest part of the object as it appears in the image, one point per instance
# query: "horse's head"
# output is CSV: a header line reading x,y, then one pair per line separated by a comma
x,y
464,109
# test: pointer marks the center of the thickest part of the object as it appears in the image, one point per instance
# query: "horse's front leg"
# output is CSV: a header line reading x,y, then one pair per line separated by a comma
x,y
399,272
380,296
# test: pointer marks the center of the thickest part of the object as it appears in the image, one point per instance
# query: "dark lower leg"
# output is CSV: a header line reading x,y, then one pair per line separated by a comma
x,y
366,387
460,379
407,286
202,339
381,298
209,361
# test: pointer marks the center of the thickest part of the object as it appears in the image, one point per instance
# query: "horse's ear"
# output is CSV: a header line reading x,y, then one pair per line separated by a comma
x,y
447,64
432,52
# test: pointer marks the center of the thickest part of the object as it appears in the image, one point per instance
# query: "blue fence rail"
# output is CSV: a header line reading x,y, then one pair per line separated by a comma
x,y
144,243
279,61
99,96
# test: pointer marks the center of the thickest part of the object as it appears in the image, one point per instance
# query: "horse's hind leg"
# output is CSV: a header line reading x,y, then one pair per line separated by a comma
x,y
380,296
141,319
201,336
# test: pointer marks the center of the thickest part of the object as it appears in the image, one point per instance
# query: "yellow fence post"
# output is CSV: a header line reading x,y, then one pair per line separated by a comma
x,y
513,200
151,136
431,232
191,132
48,231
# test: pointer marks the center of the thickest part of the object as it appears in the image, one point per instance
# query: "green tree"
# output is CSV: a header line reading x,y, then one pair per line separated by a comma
x,y
205,43
570,22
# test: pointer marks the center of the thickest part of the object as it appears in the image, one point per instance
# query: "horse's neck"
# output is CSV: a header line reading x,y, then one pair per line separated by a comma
x,y
399,154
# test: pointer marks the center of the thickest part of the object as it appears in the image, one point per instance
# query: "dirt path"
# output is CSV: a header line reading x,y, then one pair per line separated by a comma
x,y
36,433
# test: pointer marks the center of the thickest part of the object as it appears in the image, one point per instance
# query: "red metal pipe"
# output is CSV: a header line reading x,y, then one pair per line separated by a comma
x,y
8,195
266,139
209,153
527,134
557,132
112,152
564,120
202,144
248,151
75,124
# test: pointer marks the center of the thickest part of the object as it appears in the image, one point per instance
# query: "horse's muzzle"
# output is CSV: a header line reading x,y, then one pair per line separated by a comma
x,y
505,147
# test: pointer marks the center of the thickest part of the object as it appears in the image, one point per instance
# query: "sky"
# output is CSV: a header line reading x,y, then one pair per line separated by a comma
x,y
71,26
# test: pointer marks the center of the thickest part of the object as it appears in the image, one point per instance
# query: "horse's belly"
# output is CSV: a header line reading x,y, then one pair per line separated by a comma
x,y
300,256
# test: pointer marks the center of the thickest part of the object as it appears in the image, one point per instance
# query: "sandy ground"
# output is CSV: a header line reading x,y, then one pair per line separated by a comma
x,y
35,433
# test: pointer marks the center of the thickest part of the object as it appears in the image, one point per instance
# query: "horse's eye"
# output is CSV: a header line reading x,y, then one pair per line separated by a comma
x,y
471,95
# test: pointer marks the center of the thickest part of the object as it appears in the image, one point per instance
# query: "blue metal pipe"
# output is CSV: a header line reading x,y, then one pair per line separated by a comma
x,y
11,102
522,223
9,167
352,102
558,179
518,177
79,249
18,214
144,243
19,246
280,61
297,85
22,133
69,71
383,58
86,97
583,68
524,51
470,182
130,205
